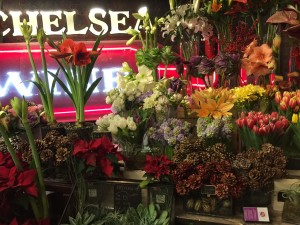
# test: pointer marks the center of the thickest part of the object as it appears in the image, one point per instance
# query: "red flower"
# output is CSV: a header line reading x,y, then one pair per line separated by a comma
x,y
81,55
157,166
99,151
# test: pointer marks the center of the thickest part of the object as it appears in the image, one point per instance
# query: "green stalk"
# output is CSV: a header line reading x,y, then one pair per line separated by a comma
x,y
10,148
49,108
165,71
42,189
80,96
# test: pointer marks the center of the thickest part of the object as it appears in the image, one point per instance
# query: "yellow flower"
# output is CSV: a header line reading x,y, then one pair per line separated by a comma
x,y
248,92
295,118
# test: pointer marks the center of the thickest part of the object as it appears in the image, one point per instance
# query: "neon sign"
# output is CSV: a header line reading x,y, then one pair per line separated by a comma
x,y
58,22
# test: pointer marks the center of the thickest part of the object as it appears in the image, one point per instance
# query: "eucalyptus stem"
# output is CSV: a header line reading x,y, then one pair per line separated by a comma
x,y
37,162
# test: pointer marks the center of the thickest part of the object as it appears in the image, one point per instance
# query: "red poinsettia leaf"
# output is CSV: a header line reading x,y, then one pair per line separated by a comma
x,y
285,16
32,190
107,144
106,167
95,144
91,158
26,178
44,222
4,173
12,177
14,222
80,147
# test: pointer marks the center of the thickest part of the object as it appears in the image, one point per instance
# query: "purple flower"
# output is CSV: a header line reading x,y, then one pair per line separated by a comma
x,y
176,85
226,64
207,66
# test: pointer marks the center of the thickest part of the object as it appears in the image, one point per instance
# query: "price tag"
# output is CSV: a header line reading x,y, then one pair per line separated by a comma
x,y
256,214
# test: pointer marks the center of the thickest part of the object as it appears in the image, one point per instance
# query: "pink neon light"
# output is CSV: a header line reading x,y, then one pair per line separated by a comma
x,y
52,50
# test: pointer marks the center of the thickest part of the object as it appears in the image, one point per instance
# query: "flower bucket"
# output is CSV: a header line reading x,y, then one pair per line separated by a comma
x,y
291,210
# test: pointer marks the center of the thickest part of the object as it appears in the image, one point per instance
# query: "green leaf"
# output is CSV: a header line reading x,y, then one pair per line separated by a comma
x,y
144,183
91,89
138,16
53,83
63,86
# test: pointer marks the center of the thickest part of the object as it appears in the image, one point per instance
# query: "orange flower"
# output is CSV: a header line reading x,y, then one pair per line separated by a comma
x,y
215,7
258,60
214,103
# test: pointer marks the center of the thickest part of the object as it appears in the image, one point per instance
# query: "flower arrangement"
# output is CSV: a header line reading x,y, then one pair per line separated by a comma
x,y
258,128
76,63
157,169
288,103
185,24
248,96
214,103
215,130
168,134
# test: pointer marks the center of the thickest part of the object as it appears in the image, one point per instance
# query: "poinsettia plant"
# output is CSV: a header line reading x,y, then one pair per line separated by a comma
x,y
157,169
76,63
100,152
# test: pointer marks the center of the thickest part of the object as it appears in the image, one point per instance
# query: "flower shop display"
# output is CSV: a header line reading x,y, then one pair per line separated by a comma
x,y
257,128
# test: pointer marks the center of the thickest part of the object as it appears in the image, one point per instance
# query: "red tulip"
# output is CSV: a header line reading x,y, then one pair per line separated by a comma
x,y
266,120
278,97
293,103
283,106
250,123
255,129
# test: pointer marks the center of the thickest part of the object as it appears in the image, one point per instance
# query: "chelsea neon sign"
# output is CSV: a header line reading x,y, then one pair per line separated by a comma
x,y
58,22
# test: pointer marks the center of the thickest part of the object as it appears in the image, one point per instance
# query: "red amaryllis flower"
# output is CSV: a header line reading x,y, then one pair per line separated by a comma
x,y
75,52
157,166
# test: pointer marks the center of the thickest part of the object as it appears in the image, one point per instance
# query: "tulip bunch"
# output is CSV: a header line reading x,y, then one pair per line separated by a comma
x,y
288,102
295,125
258,128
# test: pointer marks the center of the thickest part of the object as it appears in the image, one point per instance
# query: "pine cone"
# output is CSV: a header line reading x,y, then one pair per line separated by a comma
x,y
40,145
229,179
62,154
222,191
27,156
194,157
3,147
46,155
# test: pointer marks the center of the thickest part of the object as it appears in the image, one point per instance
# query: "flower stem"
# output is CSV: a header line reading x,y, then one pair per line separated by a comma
x,y
42,189
10,148
81,96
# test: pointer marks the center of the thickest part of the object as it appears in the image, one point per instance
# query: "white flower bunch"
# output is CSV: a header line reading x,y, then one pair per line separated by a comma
x,y
129,86
115,123
183,19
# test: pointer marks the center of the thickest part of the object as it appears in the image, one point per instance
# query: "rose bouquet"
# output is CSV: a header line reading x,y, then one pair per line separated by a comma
x,y
258,128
